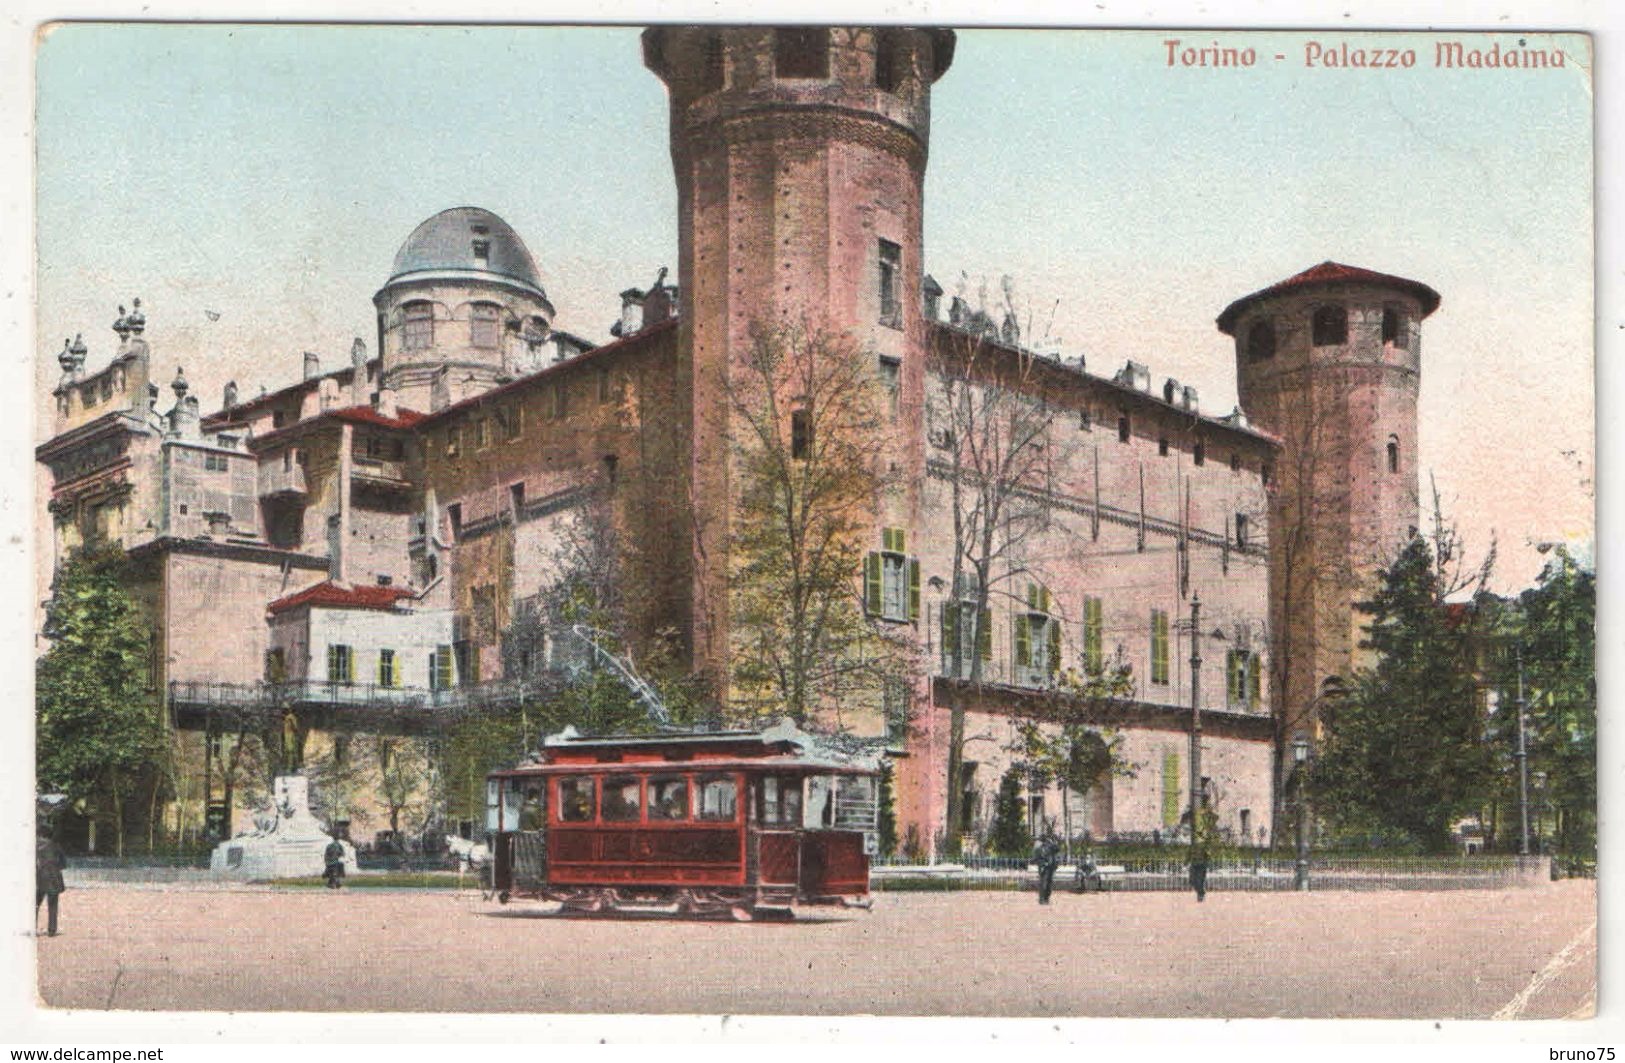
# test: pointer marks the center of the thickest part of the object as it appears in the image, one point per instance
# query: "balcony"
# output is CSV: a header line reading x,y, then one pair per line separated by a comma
x,y
195,704
379,471
275,480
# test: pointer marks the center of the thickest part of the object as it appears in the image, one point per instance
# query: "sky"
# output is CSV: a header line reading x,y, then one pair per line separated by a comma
x,y
251,185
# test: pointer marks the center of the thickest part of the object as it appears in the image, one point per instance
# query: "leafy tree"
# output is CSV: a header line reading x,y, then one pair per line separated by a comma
x,y
1009,834
1405,748
100,734
803,414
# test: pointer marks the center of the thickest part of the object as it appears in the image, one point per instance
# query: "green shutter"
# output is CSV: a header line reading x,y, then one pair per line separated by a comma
x,y
1231,687
984,634
893,540
1170,789
1023,640
871,584
1054,646
1093,637
443,667
1044,600
383,675
332,664
950,632
913,588
1255,682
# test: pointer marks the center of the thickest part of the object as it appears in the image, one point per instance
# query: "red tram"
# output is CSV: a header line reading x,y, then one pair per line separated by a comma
x,y
740,823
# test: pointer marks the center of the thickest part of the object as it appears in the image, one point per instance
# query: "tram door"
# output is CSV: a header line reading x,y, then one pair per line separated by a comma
x,y
530,843
778,855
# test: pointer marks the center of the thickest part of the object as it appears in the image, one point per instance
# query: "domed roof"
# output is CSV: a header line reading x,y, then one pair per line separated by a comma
x,y
470,241
1326,274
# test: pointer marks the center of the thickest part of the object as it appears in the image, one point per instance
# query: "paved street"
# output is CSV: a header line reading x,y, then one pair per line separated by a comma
x,y
1462,954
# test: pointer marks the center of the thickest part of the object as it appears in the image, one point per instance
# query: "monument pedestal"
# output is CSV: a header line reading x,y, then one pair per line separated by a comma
x,y
289,842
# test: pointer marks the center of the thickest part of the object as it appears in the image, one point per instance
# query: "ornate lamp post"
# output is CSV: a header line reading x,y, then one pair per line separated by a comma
x,y
1300,758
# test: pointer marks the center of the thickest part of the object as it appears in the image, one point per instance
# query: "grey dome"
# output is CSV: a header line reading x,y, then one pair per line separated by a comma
x,y
447,244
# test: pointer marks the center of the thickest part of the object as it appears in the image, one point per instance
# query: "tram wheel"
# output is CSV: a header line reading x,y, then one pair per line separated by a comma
x,y
742,913
504,897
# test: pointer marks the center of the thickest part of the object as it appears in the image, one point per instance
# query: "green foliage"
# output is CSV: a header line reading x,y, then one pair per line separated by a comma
x,y
1405,748
99,728
886,813
1009,834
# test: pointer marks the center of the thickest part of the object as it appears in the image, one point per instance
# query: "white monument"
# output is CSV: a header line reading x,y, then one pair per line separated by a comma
x,y
287,842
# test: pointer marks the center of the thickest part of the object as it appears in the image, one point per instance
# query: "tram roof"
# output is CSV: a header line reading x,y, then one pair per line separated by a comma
x,y
783,745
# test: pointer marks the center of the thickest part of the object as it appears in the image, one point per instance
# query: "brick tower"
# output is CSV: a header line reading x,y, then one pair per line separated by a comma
x,y
800,157
1329,360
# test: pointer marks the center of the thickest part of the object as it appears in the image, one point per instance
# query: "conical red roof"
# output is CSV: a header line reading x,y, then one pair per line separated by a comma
x,y
1325,274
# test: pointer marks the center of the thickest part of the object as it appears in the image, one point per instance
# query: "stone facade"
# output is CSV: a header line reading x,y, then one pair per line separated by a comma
x,y
409,507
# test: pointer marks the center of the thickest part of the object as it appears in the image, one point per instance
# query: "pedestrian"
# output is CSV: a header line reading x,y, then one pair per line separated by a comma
x,y
1200,841
49,860
1047,854
334,856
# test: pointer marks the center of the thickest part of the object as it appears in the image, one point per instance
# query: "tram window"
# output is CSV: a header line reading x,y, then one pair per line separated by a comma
x,y
717,797
511,800
492,806
576,799
668,797
621,799
855,804
532,810
820,807
781,801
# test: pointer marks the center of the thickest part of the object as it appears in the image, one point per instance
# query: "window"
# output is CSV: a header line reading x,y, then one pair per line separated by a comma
x,y
1094,631
1235,462
1085,423
780,804
1243,530
1199,455
454,513
1393,453
891,579
711,64
389,675
417,327
516,498
1170,789
1037,637
1159,646
441,668
482,254
668,797
622,801
891,379
214,463
1330,326
576,799
340,664
287,461
894,696
963,626
889,60
717,798
1394,329
1261,341
603,386
1243,680
801,52
1162,447
506,422
1122,428
801,434
891,266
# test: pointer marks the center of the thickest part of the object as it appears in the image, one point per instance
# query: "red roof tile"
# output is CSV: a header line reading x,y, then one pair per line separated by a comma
x,y
364,414
330,594
1326,274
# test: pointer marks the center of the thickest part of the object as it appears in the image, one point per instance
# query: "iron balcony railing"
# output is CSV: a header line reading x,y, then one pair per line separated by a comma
x,y
319,692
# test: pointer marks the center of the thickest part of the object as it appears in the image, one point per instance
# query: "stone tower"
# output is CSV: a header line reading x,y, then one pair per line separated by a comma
x,y
461,308
800,157
1329,361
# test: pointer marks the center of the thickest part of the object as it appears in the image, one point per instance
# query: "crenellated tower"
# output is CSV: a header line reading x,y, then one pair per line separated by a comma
x,y
800,158
1329,361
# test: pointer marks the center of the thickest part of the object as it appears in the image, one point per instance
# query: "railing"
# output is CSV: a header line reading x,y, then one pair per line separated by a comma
x,y
392,472
275,480
322,692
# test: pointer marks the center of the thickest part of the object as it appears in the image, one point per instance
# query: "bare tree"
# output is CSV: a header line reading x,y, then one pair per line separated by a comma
x,y
991,425
803,411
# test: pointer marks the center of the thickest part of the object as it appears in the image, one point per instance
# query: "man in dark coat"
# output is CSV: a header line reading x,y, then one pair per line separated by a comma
x,y
1047,855
334,857
49,860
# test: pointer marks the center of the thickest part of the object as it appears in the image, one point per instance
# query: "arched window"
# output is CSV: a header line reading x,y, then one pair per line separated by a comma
x,y
1393,328
417,326
1393,453
889,60
1330,326
485,326
1261,341
801,52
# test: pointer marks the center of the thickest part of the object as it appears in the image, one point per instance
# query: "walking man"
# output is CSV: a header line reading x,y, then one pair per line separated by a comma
x,y
1047,855
1201,842
49,861
334,857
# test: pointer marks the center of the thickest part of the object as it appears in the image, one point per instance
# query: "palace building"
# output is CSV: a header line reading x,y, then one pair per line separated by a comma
x,y
356,550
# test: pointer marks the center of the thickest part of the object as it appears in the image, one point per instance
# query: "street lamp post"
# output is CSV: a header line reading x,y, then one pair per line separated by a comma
x,y
1196,715
1523,764
1300,758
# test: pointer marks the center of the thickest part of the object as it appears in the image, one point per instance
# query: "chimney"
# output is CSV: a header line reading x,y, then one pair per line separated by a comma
x,y
1134,375
1190,399
958,312
1010,330
1170,391
385,403
229,401
358,373
631,311
440,390
931,292
313,366
327,393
